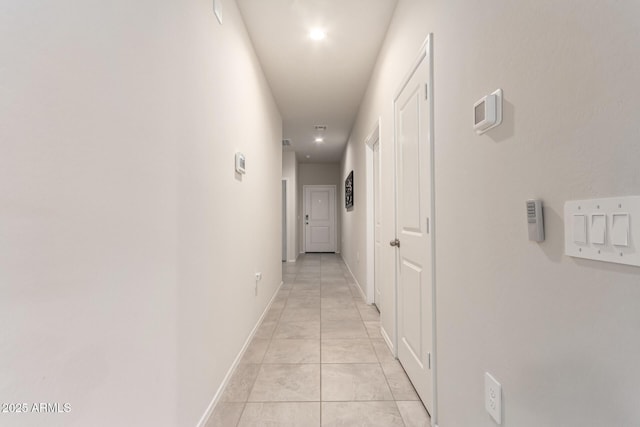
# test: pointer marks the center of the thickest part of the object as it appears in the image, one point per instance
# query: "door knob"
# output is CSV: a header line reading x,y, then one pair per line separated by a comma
x,y
395,242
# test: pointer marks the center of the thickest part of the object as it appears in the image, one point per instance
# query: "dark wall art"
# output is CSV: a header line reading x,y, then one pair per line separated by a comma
x,y
348,191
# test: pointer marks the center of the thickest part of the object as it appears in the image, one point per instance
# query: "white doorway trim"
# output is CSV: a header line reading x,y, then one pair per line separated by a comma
x,y
285,221
373,137
292,231
335,215
426,51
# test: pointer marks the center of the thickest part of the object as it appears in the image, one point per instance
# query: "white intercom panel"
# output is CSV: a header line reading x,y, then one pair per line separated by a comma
x,y
535,220
603,229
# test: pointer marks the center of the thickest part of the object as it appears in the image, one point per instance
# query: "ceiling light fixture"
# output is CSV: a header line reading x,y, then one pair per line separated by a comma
x,y
308,156
319,139
317,34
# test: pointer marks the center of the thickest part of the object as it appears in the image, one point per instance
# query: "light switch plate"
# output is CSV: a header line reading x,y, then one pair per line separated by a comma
x,y
609,235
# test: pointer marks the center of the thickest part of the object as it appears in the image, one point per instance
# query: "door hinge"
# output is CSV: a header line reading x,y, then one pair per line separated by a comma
x,y
429,360
426,91
428,229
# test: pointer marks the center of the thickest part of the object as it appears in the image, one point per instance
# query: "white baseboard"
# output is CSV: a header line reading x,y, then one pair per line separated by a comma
x,y
216,397
386,338
364,296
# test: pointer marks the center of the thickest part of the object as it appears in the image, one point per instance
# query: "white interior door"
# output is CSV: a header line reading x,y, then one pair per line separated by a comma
x,y
413,117
320,218
377,226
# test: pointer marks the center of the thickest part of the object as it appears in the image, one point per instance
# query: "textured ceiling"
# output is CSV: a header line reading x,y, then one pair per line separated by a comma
x,y
317,82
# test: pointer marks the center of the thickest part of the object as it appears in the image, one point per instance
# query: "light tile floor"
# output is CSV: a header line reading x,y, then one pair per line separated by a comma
x,y
318,359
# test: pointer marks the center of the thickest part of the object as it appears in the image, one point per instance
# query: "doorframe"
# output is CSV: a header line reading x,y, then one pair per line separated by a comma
x,y
335,214
374,136
285,219
426,51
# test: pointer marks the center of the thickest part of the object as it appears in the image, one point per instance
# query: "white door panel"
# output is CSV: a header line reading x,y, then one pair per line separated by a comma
x,y
319,205
320,218
412,111
320,234
410,157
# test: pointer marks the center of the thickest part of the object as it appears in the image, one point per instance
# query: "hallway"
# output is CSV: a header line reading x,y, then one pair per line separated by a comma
x,y
319,359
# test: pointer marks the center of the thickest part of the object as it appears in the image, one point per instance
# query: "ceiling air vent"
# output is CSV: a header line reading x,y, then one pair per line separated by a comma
x,y
286,142
320,128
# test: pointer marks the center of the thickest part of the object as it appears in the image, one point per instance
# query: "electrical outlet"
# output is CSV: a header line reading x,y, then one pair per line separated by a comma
x,y
493,397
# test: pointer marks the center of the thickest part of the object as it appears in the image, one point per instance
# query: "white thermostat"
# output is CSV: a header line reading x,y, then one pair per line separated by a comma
x,y
487,112
240,165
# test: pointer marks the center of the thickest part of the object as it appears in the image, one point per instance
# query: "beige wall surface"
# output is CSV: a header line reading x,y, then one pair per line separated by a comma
x,y
560,334
319,174
128,245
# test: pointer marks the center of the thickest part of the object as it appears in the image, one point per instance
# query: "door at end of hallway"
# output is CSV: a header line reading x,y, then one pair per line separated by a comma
x,y
319,226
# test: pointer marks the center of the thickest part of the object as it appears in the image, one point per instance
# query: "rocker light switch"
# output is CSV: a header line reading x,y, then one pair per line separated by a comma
x,y
598,229
620,230
580,229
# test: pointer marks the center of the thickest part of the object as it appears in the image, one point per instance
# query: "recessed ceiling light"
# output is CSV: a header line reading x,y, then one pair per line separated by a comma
x,y
319,139
308,156
317,34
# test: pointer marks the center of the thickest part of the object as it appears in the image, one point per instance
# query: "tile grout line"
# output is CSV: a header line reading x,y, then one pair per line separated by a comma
x,y
367,336
386,378
320,397
253,383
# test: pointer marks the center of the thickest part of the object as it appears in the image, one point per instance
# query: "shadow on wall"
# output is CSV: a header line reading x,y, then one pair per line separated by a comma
x,y
553,223
507,129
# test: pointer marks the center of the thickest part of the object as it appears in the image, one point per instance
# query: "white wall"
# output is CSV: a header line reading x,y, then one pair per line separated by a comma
x,y
560,334
290,172
320,174
125,246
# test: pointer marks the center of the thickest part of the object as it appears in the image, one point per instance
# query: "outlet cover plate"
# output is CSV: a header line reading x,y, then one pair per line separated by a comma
x,y
493,397
217,9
